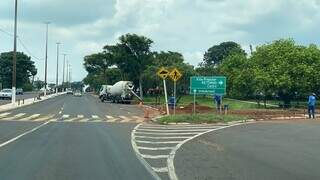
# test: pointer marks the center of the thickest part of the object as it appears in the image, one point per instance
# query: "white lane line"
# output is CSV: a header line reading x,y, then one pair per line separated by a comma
x,y
174,130
84,120
146,156
161,142
30,117
143,161
160,170
170,160
65,116
23,134
155,149
110,117
95,117
162,137
164,134
80,116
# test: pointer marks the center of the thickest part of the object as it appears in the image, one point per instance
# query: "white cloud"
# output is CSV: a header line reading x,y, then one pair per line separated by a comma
x,y
187,26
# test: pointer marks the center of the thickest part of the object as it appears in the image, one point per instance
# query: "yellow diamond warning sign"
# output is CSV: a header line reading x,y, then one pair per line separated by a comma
x,y
175,74
163,73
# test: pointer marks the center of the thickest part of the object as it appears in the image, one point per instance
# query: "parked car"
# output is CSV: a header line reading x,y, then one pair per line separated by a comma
x,y
19,91
6,94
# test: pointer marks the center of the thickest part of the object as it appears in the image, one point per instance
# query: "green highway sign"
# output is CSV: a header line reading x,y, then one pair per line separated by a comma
x,y
208,85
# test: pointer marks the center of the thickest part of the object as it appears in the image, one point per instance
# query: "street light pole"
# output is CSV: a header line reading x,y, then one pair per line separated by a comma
x,y
64,67
14,61
57,75
46,60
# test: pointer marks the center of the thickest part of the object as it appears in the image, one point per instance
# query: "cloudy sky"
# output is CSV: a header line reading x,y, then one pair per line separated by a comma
x,y
186,26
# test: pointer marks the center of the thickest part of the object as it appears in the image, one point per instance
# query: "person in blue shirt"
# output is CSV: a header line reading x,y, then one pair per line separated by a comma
x,y
217,99
312,105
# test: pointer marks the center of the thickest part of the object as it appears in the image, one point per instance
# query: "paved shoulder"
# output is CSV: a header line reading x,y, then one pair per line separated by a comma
x,y
259,151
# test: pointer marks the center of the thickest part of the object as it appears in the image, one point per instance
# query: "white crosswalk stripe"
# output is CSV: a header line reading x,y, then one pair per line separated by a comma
x,y
44,118
4,114
70,118
15,117
34,116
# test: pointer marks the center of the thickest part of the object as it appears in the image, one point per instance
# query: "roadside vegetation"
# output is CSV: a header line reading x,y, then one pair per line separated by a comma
x,y
200,118
282,70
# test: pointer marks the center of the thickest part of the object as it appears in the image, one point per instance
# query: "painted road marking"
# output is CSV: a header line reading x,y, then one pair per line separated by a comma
x,y
45,118
34,116
4,114
174,130
155,148
125,119
110,117
158,142
65,116
160,170
80,116
164,133
154,157
23,134
163,137
149,137
14,117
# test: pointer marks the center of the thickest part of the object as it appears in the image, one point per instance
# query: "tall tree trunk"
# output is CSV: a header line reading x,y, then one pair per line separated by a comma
x,y
140,87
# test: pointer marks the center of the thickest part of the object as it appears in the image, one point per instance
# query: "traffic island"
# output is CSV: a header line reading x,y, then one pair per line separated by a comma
x,y
201,118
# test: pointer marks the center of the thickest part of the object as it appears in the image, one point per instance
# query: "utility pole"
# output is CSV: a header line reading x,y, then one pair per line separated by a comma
x,y
14,61
67,73
64,67
57,75
70,71
46,61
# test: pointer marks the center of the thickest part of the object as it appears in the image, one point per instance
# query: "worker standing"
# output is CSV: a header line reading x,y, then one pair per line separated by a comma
x,y
312,105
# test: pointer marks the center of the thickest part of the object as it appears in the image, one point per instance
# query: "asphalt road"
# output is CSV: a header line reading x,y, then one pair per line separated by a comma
x,y
261,151
78,142
26,95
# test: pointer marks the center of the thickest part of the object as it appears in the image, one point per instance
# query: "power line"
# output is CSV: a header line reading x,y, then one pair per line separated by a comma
x,y
26,49
22,44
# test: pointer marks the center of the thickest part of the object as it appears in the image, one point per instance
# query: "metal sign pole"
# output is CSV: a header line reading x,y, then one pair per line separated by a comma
x,y
166,96
175,97
194,102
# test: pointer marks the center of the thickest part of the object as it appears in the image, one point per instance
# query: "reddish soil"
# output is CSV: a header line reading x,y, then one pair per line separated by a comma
x,y
252,113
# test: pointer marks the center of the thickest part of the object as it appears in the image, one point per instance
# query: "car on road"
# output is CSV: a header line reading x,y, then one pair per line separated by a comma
x,y
6,94
69,91
77,94
19,91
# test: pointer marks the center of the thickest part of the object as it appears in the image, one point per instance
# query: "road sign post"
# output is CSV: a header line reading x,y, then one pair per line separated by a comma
x,y
163,73
207,85
175,75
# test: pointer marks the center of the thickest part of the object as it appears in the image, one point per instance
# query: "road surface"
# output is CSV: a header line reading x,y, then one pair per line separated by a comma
x,y
261,151
69,138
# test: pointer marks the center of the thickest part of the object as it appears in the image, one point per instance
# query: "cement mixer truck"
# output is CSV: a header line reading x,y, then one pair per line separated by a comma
x,y
120,92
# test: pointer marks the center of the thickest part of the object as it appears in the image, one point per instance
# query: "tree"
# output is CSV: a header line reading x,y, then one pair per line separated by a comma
x,y
25,69
217,53
133,55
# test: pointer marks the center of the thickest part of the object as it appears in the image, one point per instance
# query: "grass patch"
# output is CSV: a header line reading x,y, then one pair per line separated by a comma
x,y
200,118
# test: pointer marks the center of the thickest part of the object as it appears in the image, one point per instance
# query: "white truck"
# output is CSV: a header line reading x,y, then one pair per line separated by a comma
x,y
120,92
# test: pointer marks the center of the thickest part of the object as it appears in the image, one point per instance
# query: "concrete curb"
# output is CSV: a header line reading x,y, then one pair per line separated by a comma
x,y
27,102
